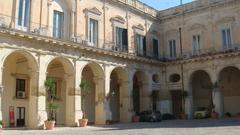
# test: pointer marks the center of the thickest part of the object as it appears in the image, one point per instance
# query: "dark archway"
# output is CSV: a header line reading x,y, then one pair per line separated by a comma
x,y
229,78
201,91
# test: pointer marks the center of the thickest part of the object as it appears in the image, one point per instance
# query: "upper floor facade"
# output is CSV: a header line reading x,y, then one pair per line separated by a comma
x,y
121,26
200,28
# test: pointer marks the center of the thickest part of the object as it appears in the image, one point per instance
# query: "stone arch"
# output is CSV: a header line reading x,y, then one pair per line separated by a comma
x,y
229,86
19,81
61,70
140,91
118,101
26,54
93,73
201,86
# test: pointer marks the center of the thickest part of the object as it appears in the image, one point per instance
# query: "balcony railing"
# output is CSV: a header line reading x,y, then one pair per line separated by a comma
x,y
141,7
8,22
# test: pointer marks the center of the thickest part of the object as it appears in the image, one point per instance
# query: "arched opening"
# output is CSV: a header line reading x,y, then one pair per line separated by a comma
x,y
140,92
230,88
18,100
201,92
93,74
62,72
118,94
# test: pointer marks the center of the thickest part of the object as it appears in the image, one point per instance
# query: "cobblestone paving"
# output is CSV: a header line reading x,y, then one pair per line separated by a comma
x,y
176,127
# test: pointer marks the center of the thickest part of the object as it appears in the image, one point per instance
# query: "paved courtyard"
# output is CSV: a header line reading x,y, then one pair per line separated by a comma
x,y
176,127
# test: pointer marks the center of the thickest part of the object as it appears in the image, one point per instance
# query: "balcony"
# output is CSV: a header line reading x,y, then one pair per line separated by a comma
x,y
235,48
44,33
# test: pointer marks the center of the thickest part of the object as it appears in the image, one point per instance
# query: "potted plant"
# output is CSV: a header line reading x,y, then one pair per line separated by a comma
x,y
1,125
184,96
135,95
50,86
85,90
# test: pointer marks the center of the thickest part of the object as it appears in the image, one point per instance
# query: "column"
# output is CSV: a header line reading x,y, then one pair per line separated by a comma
x,y
145,93
69,105
131,112
77,96
73,12
1,90
125,102
189,100
33,100
217,95
145,100
108,71
41,92
100,112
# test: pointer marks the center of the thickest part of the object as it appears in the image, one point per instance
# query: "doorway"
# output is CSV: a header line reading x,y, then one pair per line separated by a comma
x,y
176,102
20,116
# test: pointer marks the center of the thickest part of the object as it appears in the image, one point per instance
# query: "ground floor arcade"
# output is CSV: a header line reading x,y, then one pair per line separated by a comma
x,y
24,100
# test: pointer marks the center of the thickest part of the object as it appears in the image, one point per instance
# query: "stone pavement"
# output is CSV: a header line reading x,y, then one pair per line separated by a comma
x,y
175,127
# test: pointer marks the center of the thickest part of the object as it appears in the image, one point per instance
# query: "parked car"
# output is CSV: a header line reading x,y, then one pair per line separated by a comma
x,y
201,112
150,116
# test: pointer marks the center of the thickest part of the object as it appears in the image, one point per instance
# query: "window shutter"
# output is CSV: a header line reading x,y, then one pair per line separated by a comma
x,y
144,46
125,39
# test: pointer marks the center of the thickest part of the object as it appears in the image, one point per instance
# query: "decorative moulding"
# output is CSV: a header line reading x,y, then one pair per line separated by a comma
x,y
139,26
93,10
118,19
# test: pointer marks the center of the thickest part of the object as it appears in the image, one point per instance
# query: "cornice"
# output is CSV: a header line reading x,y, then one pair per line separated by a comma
x,y
80,47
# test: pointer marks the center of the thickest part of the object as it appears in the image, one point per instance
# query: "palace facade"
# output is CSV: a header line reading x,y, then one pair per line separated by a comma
x,y
118,46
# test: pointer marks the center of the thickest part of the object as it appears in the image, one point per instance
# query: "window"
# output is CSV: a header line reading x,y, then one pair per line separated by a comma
x,y
172,49
155,48
226,38
20,88
57,24
141,45
196,44
122,39
93,32
23,10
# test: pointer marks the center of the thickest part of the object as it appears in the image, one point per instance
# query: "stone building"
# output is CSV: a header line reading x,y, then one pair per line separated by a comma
x,y
118,46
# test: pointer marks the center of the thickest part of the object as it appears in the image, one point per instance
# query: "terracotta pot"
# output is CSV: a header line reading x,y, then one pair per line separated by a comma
x,y
184,116
136,119
49,125
214,115
108,122
83,122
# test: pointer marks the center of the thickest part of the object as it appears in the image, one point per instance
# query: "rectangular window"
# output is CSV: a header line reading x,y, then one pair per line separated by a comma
x,y
23,10
122,39
155,48
172,49
93,32
57,24
196,44
226,38
141,45
20,88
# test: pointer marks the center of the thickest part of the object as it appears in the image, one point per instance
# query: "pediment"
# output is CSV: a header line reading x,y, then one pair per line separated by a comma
x,y
93,10
197,26
118,19
228,19
139,26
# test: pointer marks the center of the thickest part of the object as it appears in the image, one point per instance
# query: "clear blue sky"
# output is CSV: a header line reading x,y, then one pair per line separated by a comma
x,y
163,4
